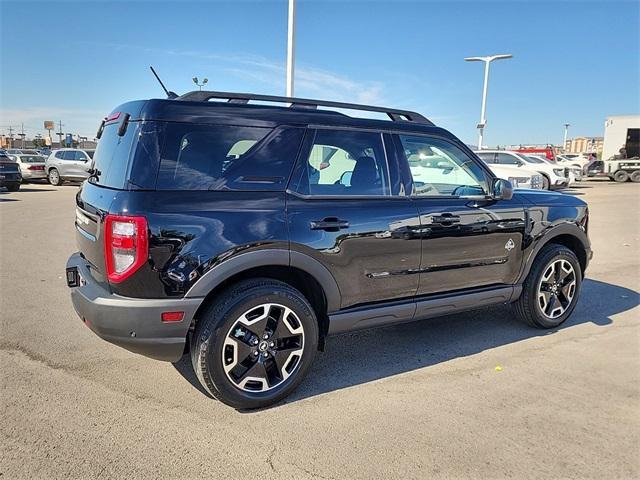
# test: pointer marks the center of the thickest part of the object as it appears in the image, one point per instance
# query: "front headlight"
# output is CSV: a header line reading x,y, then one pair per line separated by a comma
x,y
513,181
559,172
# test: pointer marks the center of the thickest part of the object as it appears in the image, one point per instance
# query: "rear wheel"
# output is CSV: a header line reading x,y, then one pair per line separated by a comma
x,y
621,176
635,176
54,177
253,346
552,288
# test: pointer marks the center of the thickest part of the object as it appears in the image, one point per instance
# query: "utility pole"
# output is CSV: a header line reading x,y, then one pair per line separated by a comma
x,y
291,46
483,119
10,136
60,134
22,134
566,132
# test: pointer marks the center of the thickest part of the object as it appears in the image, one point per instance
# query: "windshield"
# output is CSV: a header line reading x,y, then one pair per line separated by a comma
x,y
532,159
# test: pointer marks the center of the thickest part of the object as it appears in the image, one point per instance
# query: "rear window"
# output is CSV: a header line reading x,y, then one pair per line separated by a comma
x,y
31,158
216,157
111,157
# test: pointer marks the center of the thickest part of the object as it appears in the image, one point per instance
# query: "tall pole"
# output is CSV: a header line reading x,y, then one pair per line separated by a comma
x,y
566,132
483,110
291,46
60,134
485,88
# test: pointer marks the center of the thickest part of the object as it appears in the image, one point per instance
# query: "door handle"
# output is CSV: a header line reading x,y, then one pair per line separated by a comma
x,y
446,219
329,224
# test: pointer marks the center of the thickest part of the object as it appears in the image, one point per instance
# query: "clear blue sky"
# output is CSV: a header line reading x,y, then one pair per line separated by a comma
x,y
575,62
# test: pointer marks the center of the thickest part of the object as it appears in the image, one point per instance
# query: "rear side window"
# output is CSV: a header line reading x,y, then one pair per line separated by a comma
x,y
225,157
111,158
345,163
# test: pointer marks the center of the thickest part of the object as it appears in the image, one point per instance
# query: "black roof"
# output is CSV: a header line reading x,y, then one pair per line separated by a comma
x,y
195,107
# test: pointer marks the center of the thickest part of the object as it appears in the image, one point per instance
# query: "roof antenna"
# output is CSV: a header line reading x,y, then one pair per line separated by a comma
x,y
169,93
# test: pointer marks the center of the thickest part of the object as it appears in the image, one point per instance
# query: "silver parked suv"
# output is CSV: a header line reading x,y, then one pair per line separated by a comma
x,y
68,164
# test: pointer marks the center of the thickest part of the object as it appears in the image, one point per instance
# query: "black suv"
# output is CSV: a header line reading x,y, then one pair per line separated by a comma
x,y
245,233
10,176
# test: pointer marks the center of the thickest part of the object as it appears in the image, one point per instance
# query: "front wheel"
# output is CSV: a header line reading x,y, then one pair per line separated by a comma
x,y
552,288
54,177
253,345
546,184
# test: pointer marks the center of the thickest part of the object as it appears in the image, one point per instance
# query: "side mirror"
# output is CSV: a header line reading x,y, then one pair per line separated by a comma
x,y
502,189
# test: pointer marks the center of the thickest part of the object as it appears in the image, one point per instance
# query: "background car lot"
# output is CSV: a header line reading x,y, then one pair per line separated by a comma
x,y
423,400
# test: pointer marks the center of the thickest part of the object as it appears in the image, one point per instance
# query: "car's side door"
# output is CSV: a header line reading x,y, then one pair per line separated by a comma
x,y
345,209
469,239
77,164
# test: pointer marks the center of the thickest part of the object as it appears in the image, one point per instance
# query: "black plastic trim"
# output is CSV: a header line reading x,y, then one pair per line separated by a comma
x,y
420,309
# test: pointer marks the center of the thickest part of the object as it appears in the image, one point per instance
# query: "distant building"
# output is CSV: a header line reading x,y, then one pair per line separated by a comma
x,y
584,145
621,131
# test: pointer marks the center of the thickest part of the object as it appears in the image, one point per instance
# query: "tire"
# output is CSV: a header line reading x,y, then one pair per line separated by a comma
x,y
13,188
546,183
54,177
233,327
621,176
635,176
540,312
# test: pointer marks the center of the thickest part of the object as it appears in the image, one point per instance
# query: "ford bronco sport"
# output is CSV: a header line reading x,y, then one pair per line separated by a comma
x,y
245,233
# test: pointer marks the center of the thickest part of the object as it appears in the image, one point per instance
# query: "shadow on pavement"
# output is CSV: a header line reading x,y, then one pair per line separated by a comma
x,y
361,357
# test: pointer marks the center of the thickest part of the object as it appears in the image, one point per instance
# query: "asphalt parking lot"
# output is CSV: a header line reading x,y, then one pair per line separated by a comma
x,y
423,400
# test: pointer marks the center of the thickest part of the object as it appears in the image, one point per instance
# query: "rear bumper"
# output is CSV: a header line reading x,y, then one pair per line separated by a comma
x,y
34,175
131,323
10,179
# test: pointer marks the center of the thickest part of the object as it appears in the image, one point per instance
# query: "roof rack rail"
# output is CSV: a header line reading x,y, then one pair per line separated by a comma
x,y
394,114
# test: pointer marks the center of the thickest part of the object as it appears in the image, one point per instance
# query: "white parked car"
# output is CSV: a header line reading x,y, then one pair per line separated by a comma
x,y
553,176
31,166
575,159
519,177
571,171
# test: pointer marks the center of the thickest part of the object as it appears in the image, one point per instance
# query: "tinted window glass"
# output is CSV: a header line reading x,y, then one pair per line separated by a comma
x,y
212,157
59,155
111,158
487,157
441,168
506,159
343,162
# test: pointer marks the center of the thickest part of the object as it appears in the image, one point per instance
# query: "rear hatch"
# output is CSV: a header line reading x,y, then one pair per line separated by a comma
x,y
109,176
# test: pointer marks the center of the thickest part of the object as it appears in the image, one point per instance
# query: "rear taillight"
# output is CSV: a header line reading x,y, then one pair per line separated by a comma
x,y
126,245
36,167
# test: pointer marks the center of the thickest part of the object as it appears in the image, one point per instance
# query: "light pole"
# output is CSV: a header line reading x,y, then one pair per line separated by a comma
x,y
566,132
487,61
200,85
291,46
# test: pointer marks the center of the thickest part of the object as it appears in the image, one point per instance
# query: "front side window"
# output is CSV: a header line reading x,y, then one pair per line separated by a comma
x,y
487,157
346,162
441,168
507,159
227,157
